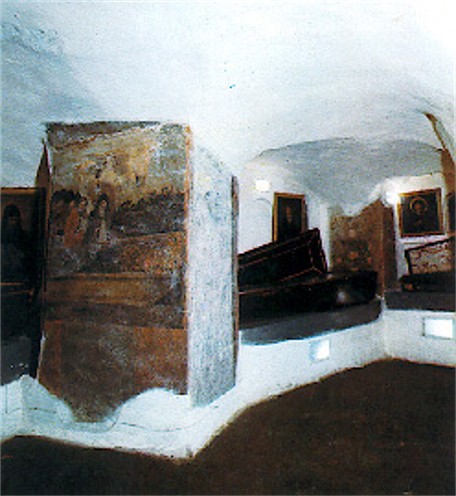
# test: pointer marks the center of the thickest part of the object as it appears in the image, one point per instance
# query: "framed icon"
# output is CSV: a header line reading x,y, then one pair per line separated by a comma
x,y
420,213
289,217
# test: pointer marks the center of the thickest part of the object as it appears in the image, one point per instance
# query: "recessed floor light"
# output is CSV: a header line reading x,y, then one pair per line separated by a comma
x,y
439,327
319,350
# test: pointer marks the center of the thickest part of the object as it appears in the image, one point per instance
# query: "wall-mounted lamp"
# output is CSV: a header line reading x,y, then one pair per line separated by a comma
x,y
262,185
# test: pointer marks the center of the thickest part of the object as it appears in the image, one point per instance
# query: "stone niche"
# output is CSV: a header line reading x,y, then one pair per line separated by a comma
x,y
140,290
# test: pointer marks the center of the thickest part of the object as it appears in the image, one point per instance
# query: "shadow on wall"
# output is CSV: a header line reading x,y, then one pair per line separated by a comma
x,y
53,93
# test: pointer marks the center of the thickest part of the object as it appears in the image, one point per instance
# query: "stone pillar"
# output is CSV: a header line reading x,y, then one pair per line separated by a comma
x,y
126,292
211,279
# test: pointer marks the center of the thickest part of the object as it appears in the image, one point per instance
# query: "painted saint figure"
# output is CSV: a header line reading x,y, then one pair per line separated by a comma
x,y
290,223
418,207
76,222
97,233
420,213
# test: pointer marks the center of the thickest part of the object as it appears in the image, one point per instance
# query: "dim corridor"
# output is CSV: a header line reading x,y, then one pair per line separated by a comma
x,y
388,428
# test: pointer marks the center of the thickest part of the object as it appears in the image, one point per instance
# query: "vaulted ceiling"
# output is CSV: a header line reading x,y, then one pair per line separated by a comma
x,y
313,84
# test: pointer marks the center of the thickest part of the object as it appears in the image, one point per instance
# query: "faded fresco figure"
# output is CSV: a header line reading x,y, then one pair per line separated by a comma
x,y
98,224
76,222
17,263
59,212
99,238
68,224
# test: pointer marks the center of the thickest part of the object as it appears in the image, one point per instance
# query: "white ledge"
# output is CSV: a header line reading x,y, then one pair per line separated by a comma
x,y
162,423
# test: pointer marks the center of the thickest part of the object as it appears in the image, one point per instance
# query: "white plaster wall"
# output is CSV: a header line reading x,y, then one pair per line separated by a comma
x,y
404,338
248,75
256,208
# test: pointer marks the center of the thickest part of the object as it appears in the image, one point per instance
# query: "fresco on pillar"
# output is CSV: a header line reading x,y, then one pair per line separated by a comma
x,y
117,257
365,241
118,203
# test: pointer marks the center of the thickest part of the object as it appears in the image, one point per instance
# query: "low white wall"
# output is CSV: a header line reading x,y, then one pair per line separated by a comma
x,y
162,423
404,338
267,370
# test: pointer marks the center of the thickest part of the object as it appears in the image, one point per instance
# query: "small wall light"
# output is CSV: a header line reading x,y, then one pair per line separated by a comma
x,y
319,350
262,185
439,328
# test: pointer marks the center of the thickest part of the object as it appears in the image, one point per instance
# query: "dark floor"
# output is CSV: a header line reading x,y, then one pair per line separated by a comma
x,y
386,429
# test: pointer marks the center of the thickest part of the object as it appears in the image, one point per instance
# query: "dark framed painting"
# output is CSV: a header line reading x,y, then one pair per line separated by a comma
x,y
22,235
451,211
22,265
420,213
289,217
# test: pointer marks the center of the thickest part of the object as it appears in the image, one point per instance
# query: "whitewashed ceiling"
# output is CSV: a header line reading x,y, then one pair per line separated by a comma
x,y
247,76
